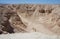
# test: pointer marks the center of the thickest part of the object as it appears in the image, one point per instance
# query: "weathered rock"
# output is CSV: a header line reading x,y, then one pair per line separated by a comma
x,y
30,18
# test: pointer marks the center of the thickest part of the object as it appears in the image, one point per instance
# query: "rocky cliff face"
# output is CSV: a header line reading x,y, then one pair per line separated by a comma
x,y
29,18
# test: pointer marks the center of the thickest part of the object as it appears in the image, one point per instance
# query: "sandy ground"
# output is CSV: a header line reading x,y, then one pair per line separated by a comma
x,y
33,35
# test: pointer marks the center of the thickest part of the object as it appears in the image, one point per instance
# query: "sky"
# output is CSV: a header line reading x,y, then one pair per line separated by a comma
x,y
29,1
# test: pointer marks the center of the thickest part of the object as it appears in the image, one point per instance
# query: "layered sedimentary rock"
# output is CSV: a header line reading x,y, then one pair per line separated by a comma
x,y
30,18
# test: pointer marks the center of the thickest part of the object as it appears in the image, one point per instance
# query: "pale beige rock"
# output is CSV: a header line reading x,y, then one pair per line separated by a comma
x,y
46,21
34,18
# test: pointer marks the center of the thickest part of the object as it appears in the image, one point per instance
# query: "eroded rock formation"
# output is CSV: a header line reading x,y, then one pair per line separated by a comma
x,y
30,18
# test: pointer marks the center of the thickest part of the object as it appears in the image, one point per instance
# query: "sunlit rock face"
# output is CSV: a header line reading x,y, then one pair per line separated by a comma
x,y
22,18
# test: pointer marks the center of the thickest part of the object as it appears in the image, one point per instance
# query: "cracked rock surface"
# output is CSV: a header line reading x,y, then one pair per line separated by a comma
x,y
22,18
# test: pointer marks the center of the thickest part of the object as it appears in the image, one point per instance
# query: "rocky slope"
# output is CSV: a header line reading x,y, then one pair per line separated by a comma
x,y
29,18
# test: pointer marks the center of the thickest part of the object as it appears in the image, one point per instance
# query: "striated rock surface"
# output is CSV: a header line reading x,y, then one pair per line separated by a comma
x,y
23,18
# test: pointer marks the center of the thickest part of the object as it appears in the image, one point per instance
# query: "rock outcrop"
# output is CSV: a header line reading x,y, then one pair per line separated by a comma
x,y
30,18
